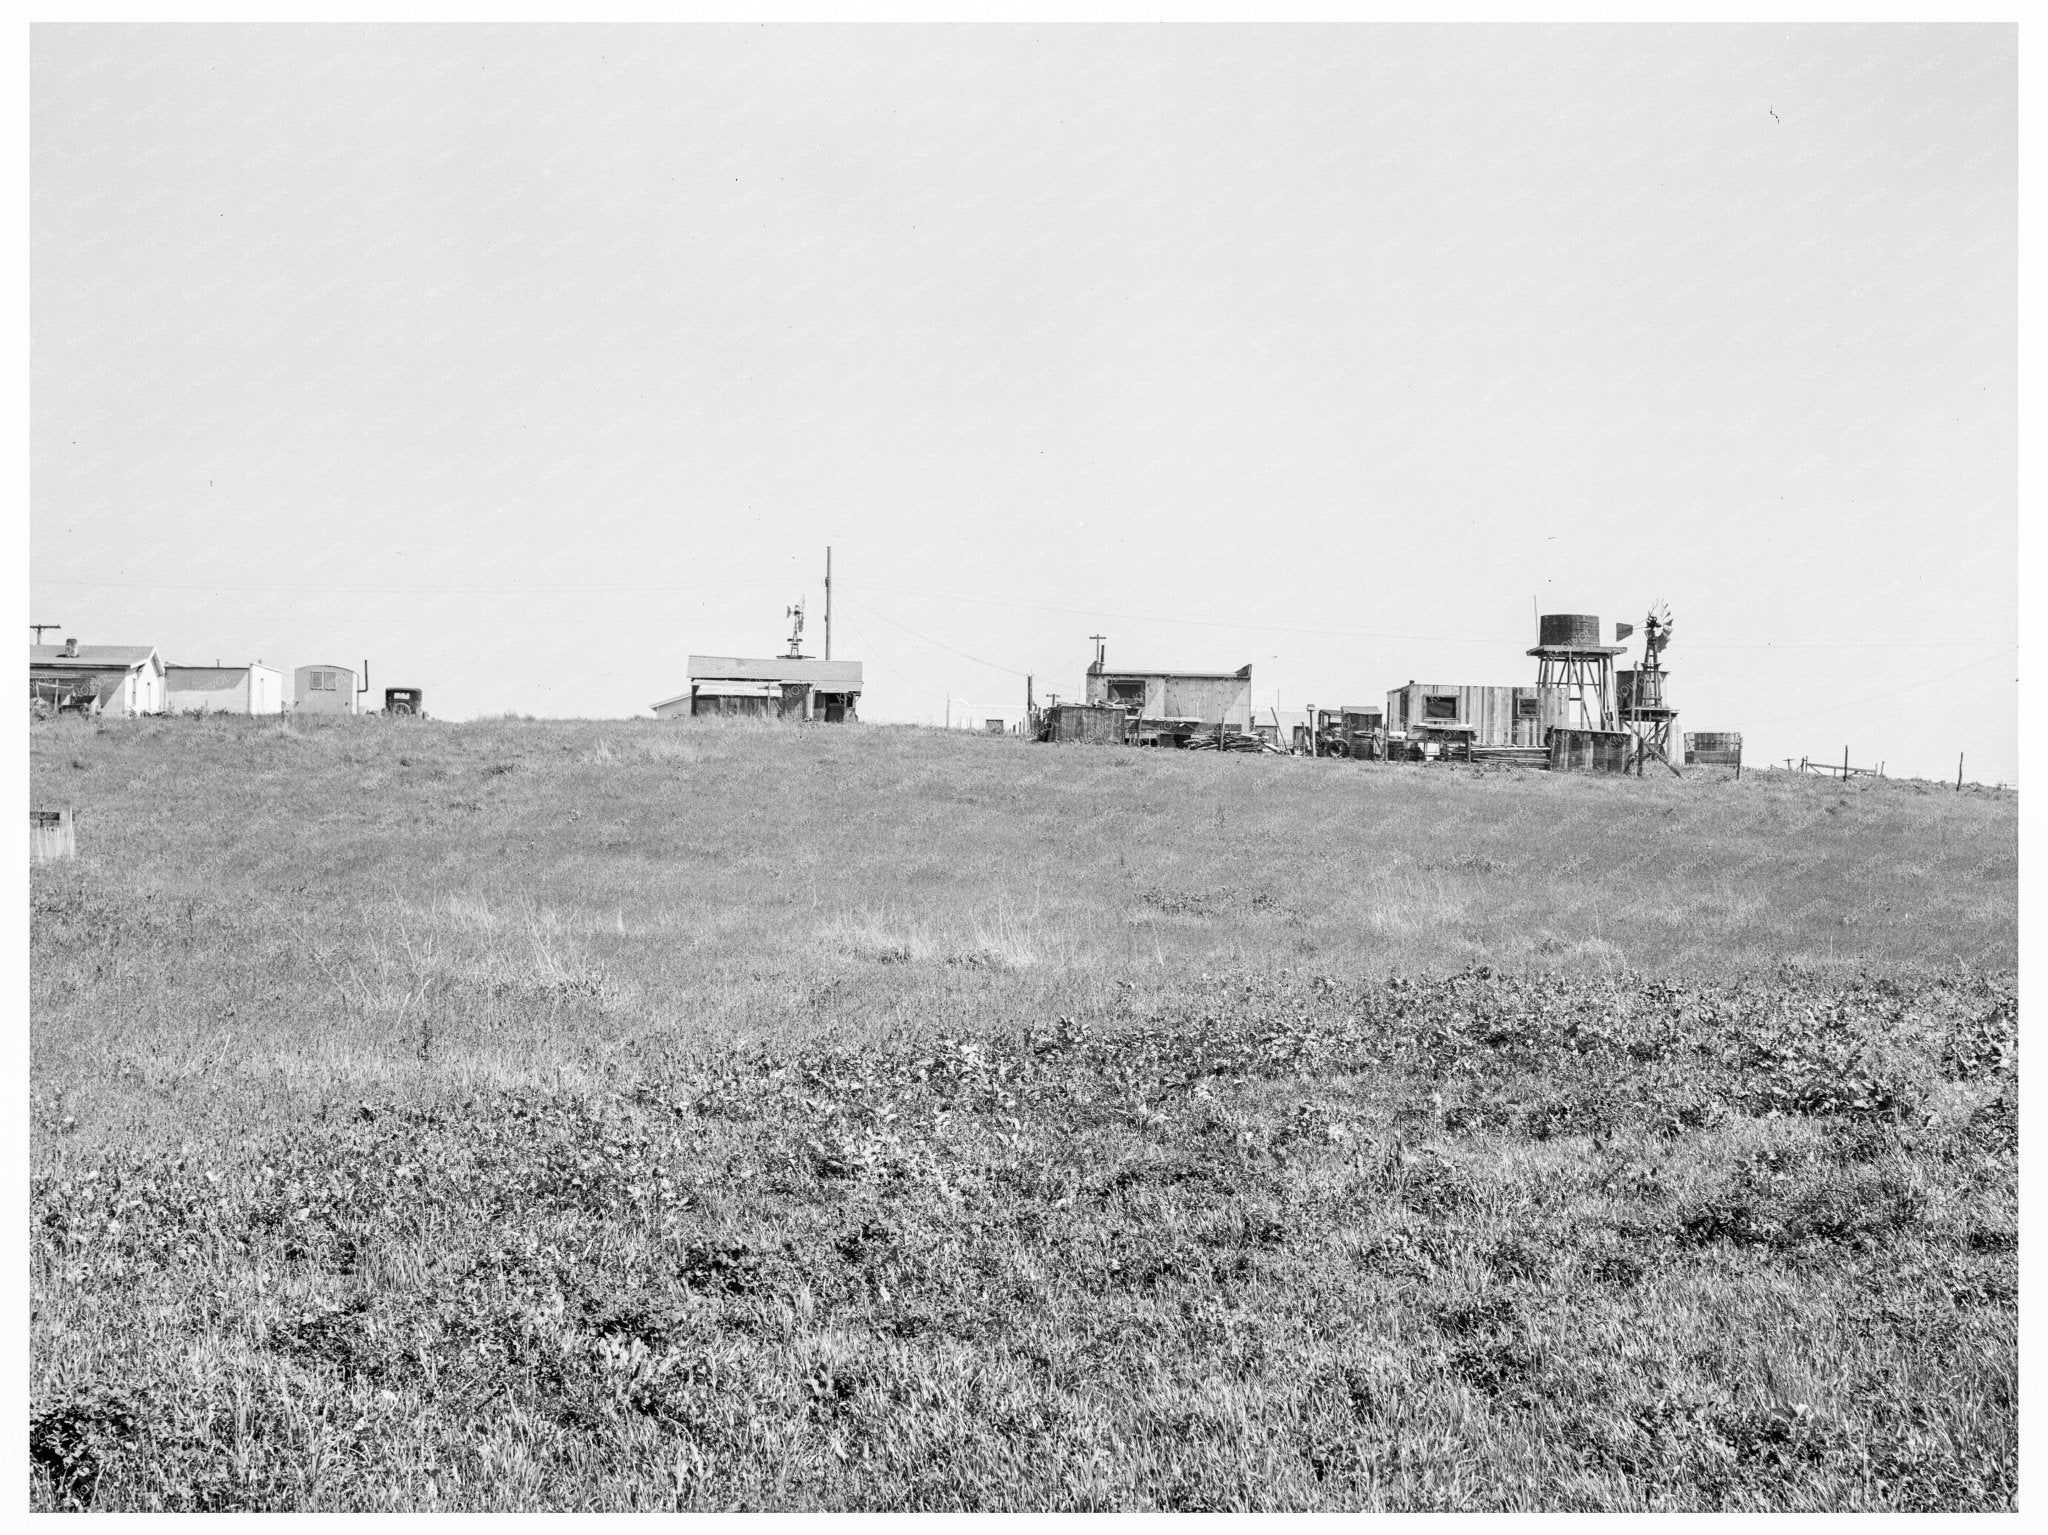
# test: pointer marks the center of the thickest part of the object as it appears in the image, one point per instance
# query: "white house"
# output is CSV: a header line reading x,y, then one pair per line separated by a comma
x,y
97,679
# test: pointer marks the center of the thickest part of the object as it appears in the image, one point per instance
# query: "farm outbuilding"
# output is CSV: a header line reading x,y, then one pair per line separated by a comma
x,y
1495,716
767,687
324,690
96,679
252,689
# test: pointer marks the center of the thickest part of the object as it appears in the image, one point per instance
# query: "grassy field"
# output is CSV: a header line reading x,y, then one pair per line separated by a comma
x,y
563,1115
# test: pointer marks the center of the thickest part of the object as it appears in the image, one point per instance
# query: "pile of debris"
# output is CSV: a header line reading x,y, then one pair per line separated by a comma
x,y
1226,739
1520,756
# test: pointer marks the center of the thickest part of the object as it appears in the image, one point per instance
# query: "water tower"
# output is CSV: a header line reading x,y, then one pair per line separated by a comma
x,y
1574,673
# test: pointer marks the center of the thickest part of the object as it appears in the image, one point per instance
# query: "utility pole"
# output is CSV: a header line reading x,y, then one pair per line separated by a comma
x,y
1959,772
1098,638
39,628
828,602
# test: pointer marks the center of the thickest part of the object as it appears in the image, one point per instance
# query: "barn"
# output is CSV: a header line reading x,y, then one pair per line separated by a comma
x,y
324,690
767,687
96,679
251,689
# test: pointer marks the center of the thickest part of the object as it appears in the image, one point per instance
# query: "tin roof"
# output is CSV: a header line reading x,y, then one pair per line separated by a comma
x,y
126,656
1242,674
831,676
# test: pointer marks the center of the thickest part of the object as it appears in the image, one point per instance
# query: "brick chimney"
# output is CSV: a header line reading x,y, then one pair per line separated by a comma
x,y
70,647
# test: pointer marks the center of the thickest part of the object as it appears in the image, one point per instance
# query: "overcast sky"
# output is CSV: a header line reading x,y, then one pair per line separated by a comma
x,y
524,362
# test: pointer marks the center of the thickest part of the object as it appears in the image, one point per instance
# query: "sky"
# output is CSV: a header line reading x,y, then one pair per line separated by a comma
x,y
524,362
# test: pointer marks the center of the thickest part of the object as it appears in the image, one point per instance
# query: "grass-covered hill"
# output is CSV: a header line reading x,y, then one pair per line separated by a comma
x,y
574,1114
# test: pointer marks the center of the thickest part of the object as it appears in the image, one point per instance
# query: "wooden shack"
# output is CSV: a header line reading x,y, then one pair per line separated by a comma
x,y
1088,724
1496,716
768,687
1171,708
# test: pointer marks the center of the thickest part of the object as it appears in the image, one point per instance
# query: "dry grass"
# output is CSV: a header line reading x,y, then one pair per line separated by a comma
x,y
563,1115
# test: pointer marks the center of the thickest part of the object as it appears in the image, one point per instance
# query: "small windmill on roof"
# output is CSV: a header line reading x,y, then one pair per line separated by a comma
x,y
796,634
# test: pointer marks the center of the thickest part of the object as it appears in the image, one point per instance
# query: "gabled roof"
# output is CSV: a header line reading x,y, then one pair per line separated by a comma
x,y
126,656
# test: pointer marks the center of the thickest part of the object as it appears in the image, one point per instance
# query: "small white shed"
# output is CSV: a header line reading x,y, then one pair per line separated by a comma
x,y
252,689
324,690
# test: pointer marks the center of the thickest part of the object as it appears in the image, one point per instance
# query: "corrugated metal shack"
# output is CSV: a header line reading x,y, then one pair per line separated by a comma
x,y
1496,716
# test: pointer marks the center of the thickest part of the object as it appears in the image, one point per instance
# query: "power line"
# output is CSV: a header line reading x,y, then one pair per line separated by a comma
x,y
1206,620
977,660
1891,690
1217,621
868,649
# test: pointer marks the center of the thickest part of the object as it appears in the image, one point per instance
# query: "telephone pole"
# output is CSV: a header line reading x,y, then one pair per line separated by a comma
x,y
39,628
828,602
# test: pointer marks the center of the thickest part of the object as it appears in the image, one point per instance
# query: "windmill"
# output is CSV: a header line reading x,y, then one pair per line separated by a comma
x,y
1640,695
796,635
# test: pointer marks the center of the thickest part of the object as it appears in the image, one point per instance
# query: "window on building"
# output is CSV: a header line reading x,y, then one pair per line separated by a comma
x,y
1440,706
322,682
1525,708
1130,695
